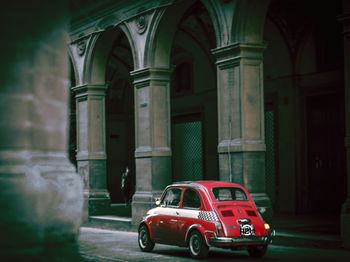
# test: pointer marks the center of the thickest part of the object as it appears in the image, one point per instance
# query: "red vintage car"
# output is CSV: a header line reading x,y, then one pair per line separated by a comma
x,y
205,214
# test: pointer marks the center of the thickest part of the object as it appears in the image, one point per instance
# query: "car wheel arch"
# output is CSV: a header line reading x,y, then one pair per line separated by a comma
x,y
192,228
148,228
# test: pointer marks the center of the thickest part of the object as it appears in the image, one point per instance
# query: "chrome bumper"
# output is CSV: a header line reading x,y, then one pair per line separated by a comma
x,y
240,241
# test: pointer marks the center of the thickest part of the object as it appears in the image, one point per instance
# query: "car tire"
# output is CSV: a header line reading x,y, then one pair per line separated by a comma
x,y
197,246
257,251
145,242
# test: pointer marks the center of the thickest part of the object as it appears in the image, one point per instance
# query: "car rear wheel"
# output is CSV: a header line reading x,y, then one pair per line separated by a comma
x,y
145,242
257,251
197,246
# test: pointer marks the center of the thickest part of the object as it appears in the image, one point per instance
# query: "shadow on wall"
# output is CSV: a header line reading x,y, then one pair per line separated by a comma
x,y
41,195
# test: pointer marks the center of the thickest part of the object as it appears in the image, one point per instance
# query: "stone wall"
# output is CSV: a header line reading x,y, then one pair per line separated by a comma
x,y
40,192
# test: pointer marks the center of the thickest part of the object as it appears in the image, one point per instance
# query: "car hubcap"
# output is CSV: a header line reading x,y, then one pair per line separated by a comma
x,y
143,238
195,245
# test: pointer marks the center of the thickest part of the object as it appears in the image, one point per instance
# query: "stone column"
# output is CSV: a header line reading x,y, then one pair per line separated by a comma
x,y
152,135
40,193
241,145
91,147
345,213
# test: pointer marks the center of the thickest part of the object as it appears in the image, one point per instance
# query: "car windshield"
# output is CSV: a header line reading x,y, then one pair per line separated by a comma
x,y
229,194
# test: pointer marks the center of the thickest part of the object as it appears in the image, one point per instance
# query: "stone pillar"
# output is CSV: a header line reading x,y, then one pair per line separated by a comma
x,y
41,195
152,135
345,213
91,147
241,145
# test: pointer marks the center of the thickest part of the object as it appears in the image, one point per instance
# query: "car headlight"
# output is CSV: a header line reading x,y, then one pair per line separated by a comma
x,y
266,226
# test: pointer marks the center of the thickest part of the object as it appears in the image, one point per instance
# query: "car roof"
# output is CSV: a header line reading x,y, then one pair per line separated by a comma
x,y
208,184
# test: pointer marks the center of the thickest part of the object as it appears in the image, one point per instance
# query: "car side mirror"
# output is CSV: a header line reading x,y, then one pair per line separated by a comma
x,y
157,202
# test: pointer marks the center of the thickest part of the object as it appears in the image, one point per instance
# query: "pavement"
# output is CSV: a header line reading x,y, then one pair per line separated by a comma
x,y
111,238
301,231
297,239
104,245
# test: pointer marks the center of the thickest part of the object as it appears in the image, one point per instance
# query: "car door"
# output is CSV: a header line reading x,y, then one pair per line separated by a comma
x,y
188,213
165,225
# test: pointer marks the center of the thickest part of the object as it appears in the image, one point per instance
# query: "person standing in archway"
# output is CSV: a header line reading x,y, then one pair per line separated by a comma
x,y
126,185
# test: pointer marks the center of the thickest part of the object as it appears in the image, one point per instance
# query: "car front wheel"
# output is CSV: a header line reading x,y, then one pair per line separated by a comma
x,y
145,242
197,246
257,251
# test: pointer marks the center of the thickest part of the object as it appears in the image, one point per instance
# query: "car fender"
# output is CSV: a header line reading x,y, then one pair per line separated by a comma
x,y
197,227
146,223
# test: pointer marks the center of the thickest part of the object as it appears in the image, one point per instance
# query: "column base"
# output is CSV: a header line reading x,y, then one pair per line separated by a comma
x,y
264,205
153,174
248,169
345,224
142,202
97,203
245,168
96,197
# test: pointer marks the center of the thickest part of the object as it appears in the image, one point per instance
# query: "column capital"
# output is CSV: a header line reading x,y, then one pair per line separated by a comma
x,y
237,145
147,151
89,90
237,51
145,75
85,155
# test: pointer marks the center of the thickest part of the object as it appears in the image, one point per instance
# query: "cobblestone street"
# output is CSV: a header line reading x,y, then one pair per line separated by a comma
x,y
107,245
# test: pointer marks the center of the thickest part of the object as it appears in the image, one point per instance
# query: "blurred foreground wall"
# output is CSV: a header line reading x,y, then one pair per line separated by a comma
x,y
40,192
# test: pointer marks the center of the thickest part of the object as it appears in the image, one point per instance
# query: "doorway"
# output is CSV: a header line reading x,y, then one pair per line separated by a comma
x,y
325,132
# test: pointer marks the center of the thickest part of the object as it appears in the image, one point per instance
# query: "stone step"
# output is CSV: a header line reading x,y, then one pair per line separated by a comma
x,y
120,210
111,222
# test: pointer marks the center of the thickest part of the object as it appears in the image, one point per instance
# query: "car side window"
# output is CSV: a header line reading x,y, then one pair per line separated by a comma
x,y
191,199
172,198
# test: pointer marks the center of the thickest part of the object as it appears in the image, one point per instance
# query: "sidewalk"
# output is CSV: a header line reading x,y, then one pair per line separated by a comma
x,y
304,231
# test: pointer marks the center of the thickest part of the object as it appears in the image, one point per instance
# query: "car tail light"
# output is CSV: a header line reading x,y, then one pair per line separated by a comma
x,y
227,213
251,213
218,227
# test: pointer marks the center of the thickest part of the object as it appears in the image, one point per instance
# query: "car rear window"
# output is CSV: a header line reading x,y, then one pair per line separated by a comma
x,y
229,194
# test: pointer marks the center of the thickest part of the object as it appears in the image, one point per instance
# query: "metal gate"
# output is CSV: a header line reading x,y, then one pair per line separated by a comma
x,y
187,151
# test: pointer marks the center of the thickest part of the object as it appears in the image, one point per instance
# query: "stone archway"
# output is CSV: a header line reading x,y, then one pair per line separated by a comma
x,y
120,138
239,61
95,78
194,98
152,104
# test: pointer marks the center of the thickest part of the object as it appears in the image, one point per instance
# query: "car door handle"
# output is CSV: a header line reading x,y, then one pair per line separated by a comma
x,y
161,222
173,220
